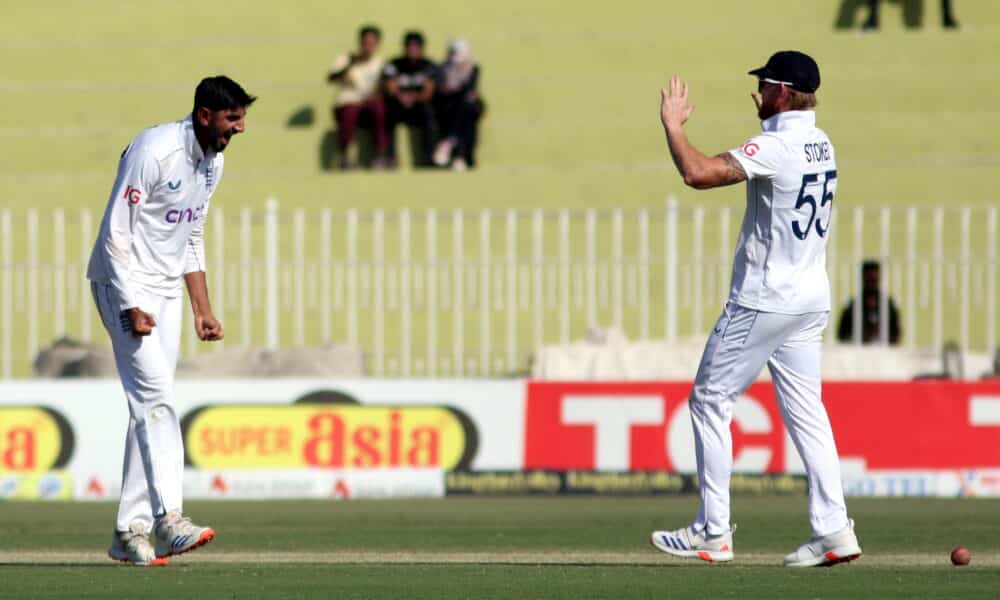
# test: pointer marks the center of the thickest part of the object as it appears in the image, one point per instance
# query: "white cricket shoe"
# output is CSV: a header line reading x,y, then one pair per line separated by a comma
x,y
133,547
176,534
688,543
828,550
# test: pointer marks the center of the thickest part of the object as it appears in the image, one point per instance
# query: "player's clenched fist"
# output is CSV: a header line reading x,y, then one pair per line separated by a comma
x,y
142,323
209,328
675,109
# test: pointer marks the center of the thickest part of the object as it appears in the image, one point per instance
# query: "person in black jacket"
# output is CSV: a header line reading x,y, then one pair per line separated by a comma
x,y
947,16
871,302
458,107
409,94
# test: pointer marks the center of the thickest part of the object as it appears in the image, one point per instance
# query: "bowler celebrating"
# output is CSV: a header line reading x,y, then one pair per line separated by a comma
x,y
778,306
151,237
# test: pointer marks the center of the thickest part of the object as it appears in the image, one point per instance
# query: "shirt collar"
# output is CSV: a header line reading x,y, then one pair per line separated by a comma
x,y
790,119
191,142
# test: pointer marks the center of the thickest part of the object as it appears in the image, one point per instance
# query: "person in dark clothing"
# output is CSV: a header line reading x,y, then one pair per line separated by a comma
x,y
871,299
458,107
947,16
409,91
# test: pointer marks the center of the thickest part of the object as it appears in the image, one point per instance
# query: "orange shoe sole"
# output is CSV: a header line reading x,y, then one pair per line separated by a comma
x,y
156,562
206,536
833,559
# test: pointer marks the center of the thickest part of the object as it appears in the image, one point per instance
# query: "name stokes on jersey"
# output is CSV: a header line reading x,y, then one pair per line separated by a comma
x,y
817,152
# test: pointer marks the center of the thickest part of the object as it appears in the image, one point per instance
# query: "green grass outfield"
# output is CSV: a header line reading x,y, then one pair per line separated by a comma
x,y
573,119
579,547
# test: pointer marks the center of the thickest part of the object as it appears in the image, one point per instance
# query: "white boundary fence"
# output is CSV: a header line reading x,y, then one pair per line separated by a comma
x,y
473,293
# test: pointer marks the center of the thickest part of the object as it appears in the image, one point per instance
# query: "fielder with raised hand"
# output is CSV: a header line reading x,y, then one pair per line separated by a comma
x,y
151,238
778,306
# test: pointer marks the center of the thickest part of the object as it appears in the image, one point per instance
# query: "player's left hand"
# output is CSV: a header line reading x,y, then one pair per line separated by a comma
x,y
675,109
208,328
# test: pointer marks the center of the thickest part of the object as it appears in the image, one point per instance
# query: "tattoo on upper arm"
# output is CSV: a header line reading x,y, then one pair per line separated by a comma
x,y
734,172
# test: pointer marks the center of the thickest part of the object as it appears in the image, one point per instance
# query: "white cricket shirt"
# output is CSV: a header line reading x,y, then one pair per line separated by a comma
x,y
780,263
152,231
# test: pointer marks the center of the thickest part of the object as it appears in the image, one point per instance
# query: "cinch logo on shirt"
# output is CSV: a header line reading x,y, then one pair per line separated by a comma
x,y
184,216
750,148
132,194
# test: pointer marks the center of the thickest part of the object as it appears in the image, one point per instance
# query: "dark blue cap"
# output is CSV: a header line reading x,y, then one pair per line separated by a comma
x,y
793,68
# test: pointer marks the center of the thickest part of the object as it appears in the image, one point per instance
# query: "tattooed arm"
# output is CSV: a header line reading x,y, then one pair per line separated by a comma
x,y
733,172
698,170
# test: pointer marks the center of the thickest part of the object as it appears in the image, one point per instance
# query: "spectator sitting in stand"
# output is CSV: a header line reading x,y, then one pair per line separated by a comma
x,y
358,75
409,89
458,107
871,300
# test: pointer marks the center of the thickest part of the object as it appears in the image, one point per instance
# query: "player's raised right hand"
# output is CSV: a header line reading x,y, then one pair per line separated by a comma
x,y
142,322
675,107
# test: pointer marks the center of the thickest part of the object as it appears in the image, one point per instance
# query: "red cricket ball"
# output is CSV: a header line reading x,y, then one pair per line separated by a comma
x,y
960,556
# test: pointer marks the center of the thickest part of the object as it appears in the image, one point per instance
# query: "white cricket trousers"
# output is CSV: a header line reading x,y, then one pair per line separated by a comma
x,y
153,469
743,341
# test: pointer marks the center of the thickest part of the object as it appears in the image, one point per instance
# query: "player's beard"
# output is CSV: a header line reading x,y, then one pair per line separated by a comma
x,y
766,111
222,141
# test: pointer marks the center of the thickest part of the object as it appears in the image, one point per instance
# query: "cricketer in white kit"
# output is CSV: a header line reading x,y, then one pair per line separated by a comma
x,y
150,240
778,307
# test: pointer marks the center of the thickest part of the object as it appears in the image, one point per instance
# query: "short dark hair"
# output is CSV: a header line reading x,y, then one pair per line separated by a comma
x,y
870,265
413,36
221,93
366,29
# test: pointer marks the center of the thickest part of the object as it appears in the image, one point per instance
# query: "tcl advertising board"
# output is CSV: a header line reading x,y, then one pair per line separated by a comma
x,y
931,425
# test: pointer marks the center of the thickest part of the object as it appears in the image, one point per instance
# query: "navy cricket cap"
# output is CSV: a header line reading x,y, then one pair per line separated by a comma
x,y
793,68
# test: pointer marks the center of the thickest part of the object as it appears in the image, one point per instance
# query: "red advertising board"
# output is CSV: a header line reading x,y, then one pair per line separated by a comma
x,y
646,426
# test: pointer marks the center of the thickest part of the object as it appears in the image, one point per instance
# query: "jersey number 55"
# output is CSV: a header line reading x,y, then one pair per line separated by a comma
x,y
829,187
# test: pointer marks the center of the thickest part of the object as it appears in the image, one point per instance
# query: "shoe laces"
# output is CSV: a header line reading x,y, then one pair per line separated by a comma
x,y
183,524
137,544
135,541
176,523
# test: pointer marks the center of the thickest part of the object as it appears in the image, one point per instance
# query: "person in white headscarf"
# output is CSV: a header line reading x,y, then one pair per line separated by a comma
x,y
458,107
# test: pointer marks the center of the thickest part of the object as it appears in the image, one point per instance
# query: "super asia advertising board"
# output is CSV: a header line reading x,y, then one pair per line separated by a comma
x,y
268,438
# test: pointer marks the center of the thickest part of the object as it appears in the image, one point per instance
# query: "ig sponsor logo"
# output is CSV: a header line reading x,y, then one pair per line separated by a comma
x,y
132,194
